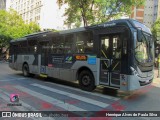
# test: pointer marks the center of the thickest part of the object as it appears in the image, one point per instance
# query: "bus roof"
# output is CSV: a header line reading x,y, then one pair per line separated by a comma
x,y
72,30
106,24
37,33
20,39
30,35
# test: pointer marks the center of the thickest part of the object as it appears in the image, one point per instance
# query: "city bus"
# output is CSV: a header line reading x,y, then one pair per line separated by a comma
x,y
117,54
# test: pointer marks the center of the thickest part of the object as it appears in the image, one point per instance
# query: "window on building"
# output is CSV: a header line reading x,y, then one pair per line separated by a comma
x,y
31,13
39,10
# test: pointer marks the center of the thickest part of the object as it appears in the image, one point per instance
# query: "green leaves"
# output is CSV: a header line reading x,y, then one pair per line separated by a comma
x,y
88,12
156,30
12,26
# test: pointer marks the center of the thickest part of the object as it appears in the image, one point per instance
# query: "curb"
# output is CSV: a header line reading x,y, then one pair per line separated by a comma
x,y
3,62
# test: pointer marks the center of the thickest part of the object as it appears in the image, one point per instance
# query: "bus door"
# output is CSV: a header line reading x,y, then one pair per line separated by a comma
x,y
44,46
14,56
110,60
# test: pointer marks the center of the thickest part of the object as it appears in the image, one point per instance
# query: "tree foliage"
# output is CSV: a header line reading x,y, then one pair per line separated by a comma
x,y
12,26
95,11
156,29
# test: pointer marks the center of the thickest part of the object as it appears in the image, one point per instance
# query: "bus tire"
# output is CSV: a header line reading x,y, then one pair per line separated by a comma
x,y
25,70
31,75
86,80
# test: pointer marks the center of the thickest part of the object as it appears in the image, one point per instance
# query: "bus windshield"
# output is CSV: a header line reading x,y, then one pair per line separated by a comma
x,y
144,49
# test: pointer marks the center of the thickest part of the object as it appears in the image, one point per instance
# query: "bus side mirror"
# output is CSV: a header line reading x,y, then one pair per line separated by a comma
x,y
139,36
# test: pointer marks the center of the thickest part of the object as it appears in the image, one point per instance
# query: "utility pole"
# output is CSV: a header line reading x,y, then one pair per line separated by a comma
x,y
158,66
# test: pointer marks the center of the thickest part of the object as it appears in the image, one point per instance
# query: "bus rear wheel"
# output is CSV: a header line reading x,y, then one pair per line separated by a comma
x,y
25,70
86,81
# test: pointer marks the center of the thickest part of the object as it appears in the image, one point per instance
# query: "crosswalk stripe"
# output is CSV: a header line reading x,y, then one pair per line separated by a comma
x,y
28,107
84,99
89,93
51,100
21,108
24,107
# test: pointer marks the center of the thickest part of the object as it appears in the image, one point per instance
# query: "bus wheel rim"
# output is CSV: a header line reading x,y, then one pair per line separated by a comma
x,y
86,80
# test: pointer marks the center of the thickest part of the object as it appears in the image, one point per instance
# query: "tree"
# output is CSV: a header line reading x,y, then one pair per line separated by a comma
x,y
12,26
156,33
95,11
156,29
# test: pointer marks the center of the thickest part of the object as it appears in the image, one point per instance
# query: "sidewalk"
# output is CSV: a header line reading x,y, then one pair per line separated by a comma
x,y
2,62
156,74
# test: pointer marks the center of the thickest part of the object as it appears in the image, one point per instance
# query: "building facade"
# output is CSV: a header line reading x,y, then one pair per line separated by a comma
x,y
2,4
148,13
45,13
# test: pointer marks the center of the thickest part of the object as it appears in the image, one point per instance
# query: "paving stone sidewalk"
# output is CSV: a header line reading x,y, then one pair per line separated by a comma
x,y
156,74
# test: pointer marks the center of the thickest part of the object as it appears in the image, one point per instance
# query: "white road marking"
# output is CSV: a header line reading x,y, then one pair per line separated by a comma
x,y
51,100
4,80
89,93
75,89
145,118
24,107
84,99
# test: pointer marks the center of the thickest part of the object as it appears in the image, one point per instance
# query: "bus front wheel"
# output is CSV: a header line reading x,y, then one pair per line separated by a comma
x,y
25,70
86,81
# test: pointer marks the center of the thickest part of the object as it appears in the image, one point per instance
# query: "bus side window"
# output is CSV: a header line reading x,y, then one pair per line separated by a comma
x,y
15,48
32,46
84,42
116,47
44,45
68,43
105,47
59,45
23,47
53,45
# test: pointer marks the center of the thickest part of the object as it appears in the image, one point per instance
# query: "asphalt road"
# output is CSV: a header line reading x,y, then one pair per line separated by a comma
x,y
39,94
